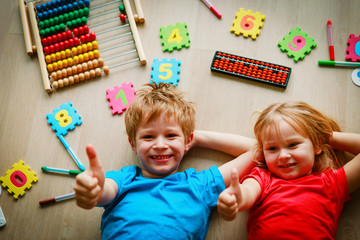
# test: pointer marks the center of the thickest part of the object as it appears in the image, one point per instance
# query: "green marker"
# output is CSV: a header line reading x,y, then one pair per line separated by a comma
x,y
339,63
62,171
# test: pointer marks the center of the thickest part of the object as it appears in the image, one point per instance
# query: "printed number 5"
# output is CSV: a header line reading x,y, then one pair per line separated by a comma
x,y
164,69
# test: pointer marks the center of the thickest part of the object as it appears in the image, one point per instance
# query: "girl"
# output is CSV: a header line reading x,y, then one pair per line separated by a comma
x,y
299,187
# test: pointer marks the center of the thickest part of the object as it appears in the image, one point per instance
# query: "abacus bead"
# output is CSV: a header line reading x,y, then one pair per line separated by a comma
x,y
56,47
87,75
51,22
98,72
83,20
86,56
92,73
61,83
49,40
84,66
54,39
65,63
81,77
92,36
106,70
91,55
69,71
66,44
55,84
87,3
76,78
76,41
95,63
122,17
68,53
101,62
64,72
74,50
86,12
43,33
60,64
74,69
46,50
71,80
50,67
79,49
61,46
53,57
59,74
90,65
89,46
66,81
48,58
81,30
76,59
51,49
82,39
58,56
81,58
96,53
41,25
79,68
68,34
87,37
84,48
122,8
53,76
62,54
62,27
94,44
71,43
86,28
70,61
55,66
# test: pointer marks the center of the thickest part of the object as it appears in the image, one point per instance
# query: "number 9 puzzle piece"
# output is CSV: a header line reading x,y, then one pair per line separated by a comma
x,y
297,44
120,97
353,49
166,71
174,37
247,23
18,179
64,119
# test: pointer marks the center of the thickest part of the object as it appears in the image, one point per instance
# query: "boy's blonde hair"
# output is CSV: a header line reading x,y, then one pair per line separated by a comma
x,y
151,102
309,123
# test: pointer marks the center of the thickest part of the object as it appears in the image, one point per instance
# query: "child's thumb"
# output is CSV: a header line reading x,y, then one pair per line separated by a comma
x,y
95,165
234,184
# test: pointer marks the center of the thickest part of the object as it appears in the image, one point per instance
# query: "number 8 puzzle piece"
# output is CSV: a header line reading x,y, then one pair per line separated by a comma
x,y
64,119
297,44
166,71
247,23
174,37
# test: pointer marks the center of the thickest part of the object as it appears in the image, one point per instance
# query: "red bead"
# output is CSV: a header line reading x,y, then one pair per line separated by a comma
x,y
46,50
92,36
76,32
66,44
49,40
61,45
69,34
86,29
59,37
87,37
81,30
71,42
51,49
44,42
56,47
82,38
64,36
76,41
53,38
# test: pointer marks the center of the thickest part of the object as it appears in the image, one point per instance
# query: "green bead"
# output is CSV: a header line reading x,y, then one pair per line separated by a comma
x,y
83,20
69,24
81,12
76,14
47,32
51,22
86,12
62,27
66,17
57,28
71,16
41,25
56,20
42,33
122,8
46,23
52,30
61,19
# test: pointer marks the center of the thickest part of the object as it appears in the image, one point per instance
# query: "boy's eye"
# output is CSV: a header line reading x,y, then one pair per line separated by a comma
x,y
171,135
147,137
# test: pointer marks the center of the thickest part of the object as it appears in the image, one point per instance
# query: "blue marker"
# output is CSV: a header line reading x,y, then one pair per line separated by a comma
x,y
72,154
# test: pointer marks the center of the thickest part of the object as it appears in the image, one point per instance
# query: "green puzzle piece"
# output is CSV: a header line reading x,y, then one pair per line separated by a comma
x,y
174,37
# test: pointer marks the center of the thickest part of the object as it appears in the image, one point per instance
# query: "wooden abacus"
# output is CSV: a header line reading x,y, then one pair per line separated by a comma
x,y
68,53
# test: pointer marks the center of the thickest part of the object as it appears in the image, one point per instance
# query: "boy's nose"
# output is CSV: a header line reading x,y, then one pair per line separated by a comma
x,y
161,142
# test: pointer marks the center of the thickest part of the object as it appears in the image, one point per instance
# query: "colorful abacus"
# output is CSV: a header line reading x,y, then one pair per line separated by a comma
x,y
67,50
256,70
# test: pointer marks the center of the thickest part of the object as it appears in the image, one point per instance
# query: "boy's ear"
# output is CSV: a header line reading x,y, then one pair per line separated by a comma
x,y
132,145
189,141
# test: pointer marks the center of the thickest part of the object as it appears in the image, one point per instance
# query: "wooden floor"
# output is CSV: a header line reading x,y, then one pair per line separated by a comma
x,y
224,103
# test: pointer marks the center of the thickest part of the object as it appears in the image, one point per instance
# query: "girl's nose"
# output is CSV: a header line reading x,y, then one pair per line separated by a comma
x,y
284,154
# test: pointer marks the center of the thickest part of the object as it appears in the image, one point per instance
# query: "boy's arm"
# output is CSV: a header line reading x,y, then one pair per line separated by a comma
x,y
349,142
91,187
238,197
231,144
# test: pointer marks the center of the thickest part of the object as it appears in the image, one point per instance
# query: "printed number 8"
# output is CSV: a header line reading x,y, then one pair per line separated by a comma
x,y
63,118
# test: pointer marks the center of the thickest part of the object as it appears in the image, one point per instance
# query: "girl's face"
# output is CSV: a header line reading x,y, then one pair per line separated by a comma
x,y
160,146
288,154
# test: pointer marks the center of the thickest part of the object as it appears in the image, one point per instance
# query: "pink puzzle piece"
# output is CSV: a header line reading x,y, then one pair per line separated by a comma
x,y
120,97
353,49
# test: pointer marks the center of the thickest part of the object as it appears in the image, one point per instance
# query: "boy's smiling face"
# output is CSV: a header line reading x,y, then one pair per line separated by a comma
x,y
160,146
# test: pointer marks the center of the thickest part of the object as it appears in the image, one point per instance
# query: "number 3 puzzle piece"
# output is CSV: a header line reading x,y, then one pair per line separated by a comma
x,y
297,44
353,49
120,97
247,23
174,37
64,119
18,179
166,71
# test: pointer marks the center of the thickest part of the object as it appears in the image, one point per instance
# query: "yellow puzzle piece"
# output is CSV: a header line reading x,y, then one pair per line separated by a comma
x,y
18,179
247,23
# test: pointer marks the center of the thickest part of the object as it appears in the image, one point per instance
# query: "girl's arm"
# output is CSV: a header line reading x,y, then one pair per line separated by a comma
x,y
237,197
349,142
231,144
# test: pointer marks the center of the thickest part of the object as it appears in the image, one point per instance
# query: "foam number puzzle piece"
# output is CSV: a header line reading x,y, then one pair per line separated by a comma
x,y
120,97
297,44
353,49
174,37
247,23
166,71
64,119
18,179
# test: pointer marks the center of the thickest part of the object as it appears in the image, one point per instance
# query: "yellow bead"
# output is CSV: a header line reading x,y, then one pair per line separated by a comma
x,y
81,58
86,57
70,61
68,53
58,56
91,55
63,54
94,44
60,64
84,47
50,67
65,63
53,57
48,58
55,66
74,50
79,49
96,53
76,60
89,46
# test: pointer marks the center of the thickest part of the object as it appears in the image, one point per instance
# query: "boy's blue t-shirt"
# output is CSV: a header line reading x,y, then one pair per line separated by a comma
x,y
178,206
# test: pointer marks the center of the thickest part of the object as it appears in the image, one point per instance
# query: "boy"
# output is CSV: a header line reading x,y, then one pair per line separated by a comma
x,y
154,201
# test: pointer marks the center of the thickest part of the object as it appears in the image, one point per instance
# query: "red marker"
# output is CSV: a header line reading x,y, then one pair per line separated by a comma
x,y
331,46
212,8
57,199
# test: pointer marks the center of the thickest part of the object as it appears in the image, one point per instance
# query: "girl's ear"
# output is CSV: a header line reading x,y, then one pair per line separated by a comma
x,y
189,141
318,150
132,145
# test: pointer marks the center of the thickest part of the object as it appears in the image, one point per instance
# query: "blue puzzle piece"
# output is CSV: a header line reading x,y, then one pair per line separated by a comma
x,y
64,119
166,71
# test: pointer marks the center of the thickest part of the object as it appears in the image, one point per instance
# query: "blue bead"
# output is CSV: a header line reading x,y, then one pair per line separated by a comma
x,y
40,16
87,3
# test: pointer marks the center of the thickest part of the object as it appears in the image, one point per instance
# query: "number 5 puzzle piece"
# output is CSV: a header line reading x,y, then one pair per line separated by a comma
x,y
120,97
166,71
297,44
64,119
18,179
353,49
174,37
247,23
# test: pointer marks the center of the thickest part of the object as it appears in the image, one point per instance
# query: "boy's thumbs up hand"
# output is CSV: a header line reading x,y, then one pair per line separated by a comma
x,y
228,201
89,185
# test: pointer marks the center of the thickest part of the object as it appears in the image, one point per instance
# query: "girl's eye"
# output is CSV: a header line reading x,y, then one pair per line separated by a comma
x,y
271,148
294,144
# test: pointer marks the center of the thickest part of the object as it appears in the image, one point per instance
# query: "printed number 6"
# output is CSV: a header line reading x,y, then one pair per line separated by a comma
x,y
299,42
246,24
163,69
63,118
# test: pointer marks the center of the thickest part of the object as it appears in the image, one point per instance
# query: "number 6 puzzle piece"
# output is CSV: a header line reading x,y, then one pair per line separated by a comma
x,y
174,37
18,179
166,71
297,44
353,49
247,23
120,97
64,119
